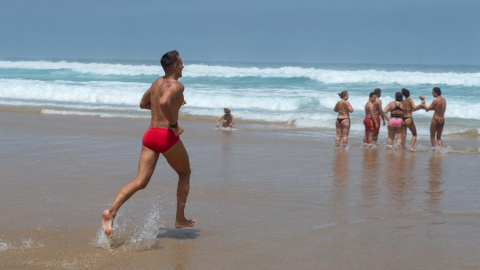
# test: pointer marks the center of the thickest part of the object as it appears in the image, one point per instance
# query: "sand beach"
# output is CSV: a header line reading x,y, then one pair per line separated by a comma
x,y
265,197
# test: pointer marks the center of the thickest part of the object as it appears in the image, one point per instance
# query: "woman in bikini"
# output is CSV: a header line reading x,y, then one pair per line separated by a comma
x,y
342,123
409,107
395,124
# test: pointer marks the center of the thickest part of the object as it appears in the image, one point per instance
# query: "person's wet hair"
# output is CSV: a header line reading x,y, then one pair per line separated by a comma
x,y
169,58
405,92
378,92
342,94
398,96
437,91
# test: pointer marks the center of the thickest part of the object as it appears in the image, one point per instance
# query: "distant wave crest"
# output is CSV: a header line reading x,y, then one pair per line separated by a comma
x,y
320,75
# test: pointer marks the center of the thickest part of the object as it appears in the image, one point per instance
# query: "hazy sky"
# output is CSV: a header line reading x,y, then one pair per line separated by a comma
x,y
317,31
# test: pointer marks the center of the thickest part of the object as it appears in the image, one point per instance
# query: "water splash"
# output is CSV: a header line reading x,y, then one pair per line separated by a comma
x,y
136,233
4,246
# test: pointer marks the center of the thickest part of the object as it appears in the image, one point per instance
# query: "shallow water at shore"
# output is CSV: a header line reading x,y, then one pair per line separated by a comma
x,y
263,197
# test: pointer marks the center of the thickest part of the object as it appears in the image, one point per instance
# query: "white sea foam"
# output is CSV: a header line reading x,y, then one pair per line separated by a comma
x,y
93,92
336,77
321,75
4,246
301,103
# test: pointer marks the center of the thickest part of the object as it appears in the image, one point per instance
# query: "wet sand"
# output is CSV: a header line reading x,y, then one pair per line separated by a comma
x,y
264,197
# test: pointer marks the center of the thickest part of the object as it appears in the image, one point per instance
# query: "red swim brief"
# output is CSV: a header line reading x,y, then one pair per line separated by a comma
x,y
159,139
369,124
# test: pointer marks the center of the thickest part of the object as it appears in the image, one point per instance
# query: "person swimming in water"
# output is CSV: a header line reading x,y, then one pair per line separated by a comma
x,y
395,123
342,123
227,119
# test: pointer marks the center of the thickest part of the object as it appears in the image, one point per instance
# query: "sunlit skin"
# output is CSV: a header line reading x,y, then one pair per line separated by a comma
x,y
438,105
164,98
344,108
370,113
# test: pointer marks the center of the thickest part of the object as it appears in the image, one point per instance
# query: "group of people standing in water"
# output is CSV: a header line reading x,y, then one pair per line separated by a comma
x,y
400,119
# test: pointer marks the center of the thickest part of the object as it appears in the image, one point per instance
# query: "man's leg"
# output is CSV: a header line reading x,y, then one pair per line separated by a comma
x,y
433,131
439,134
146,166
177,157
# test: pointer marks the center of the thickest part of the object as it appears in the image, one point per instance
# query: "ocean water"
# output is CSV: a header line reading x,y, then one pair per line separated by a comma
x,y
287,95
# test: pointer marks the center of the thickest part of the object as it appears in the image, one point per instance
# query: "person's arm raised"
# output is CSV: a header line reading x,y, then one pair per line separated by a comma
x,y
432,105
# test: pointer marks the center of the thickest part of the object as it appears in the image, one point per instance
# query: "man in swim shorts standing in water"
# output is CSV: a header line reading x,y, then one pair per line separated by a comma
x,y
164,98
439,105
370,120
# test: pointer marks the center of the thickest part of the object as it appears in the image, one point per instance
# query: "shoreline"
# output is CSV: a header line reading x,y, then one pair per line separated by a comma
x,y
263,199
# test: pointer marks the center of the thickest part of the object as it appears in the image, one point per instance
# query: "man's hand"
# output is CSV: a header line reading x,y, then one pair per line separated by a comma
x,y
178,130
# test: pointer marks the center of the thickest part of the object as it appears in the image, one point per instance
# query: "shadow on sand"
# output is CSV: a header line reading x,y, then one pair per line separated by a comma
x,y
178,233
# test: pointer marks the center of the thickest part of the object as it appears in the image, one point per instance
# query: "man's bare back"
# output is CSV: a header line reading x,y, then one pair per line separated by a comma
x,y
439,106
164,91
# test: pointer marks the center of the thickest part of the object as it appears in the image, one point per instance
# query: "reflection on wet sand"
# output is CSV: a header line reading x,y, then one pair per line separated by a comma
x,y
370,189
227,140
399,178
340,184
434,192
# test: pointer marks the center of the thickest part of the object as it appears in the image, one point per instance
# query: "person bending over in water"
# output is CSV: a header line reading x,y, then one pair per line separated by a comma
x,y
439,105
395,123
370,121
164,98
342,123
408,108
227,119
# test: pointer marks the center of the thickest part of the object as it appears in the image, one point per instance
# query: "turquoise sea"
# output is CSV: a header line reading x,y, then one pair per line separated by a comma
x,y
291,95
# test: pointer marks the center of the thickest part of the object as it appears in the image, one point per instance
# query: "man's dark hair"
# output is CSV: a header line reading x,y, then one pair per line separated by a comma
x,y
169,59
437,91
405,92
377,92
372,94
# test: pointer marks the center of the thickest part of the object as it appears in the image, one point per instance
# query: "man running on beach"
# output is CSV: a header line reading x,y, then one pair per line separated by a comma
x,y
370,121
439,105
164,98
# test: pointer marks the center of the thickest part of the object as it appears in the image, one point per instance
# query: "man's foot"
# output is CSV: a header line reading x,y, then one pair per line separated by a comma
x,y
185,223
107,223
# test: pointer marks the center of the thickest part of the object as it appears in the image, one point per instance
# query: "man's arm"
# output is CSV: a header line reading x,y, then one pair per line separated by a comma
x,y
432,105
166,101
145,102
